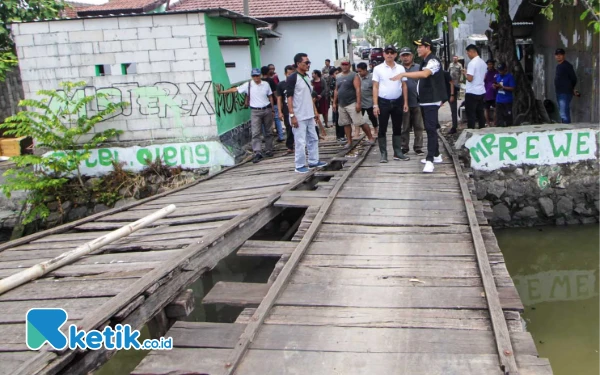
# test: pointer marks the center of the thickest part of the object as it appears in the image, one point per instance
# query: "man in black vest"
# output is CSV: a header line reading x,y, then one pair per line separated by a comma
x,y
432,92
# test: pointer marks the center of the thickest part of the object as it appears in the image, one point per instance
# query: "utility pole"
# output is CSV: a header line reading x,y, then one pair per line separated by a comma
x,y
451,48
246,8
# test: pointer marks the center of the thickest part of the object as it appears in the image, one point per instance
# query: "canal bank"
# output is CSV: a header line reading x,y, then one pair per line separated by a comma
x,y
555,270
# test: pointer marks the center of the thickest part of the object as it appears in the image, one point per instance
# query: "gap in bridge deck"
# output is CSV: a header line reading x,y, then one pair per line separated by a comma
x,y
234,268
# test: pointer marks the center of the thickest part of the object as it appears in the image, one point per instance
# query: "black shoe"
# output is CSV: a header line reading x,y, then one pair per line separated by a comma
x,y
452,131
280,140
402,158
269,154
419,153
257,157
405,151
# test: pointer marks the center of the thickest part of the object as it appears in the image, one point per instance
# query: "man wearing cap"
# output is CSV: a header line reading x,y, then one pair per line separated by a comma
x,y
475,89
412,119
347,102
261,105
564,85
303,115
432,92
505,84
389,101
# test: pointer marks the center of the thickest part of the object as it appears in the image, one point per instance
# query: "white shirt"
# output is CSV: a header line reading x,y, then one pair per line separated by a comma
x,y
477,69
388,89
259,94
434,66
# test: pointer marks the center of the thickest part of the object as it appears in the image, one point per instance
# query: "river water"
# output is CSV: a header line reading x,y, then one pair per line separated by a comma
x,y
555,270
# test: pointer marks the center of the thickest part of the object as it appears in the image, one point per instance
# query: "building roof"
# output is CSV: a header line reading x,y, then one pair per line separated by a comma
x,y
270,9
121,6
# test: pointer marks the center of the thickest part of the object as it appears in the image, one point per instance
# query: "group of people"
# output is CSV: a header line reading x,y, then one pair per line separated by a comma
x,y
408,94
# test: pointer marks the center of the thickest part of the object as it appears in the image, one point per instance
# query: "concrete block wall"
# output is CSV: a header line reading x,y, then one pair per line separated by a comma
x,y
170,94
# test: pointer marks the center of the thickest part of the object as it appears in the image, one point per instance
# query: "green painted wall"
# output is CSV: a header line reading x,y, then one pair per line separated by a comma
x,y
229,109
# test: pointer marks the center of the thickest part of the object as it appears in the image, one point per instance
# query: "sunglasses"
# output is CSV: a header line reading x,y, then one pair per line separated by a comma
x,y
389,52
307,62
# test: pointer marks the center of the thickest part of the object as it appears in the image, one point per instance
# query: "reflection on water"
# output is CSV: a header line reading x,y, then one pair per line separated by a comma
x,y
555,270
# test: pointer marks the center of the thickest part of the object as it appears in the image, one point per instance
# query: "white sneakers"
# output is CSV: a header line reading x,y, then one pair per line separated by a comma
x,y
428,167
436,159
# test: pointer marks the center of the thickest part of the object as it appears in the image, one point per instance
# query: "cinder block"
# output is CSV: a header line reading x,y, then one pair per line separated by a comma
x,y
207,64
35,75
189,30
87,71
191,54
164,55
28,64
86,36
154,32
202,119
187,66
107,47
51,38
132,57
147,123
177,78
154,67
110,124
198,41
139,45
66,73
39,51
101,23
194,18
169,19
172,43
124,34
66,25
140,135
23,40
55,62
93,59
39,27
135,22
69,49
202,76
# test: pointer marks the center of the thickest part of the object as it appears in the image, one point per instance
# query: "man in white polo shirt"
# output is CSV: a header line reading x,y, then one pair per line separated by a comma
x,y
261,105
389,101
475,88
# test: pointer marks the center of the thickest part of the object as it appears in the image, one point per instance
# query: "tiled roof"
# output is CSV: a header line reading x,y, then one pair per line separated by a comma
x,y
121,6
268,9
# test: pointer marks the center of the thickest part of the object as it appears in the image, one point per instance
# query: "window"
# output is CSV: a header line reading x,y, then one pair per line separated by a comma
x,y
102,70
128,68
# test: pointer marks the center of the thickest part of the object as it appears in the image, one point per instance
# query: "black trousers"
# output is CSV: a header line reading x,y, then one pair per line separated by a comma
x,y
289,142
430,120
504,115
339,130
394,109
371,115
474,108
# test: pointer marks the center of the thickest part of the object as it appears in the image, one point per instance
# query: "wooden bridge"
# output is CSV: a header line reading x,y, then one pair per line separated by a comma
x,y
388,271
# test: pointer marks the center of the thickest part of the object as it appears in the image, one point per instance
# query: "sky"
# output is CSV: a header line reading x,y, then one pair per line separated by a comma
x,y
359,13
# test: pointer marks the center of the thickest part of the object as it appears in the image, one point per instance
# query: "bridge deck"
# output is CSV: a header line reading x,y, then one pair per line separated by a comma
x,y
383,277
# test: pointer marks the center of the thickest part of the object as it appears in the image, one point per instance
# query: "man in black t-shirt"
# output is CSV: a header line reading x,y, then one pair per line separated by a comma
x,y
266,76
284,112
564,85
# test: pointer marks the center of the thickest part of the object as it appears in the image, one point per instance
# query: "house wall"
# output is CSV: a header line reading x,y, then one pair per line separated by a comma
x,y
11,92
243,64
170,94
313,37
567,31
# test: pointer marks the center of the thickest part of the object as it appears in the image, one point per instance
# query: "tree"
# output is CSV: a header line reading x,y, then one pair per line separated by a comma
x,y
502,43
400,22
21,11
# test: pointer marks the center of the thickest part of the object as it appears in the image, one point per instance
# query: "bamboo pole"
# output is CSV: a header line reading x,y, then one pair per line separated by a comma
x,y
43,268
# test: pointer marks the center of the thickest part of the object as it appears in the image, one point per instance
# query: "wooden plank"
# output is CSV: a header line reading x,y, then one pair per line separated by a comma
x,y
395,220
186,361
396,195
189,219
287,201
205,335
386,318
385,340
59,289
276,289
502,338
374,229
12,361
305,194
438,205
399,238
236,294
15,311
395,297
364,247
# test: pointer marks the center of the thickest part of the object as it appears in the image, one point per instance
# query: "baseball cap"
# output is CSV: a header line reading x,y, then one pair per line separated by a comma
x,y
345,62
501,66
390,47
405,50
425,41
255,72
559,51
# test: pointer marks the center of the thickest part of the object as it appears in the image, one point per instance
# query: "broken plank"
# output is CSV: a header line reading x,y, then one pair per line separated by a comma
x,y
236,294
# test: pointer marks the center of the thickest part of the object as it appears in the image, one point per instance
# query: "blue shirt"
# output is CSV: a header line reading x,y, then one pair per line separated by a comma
x,y
507,80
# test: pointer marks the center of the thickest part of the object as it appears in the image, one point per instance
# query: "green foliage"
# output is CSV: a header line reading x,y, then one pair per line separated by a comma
x,y
57,122
400,22
21,11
